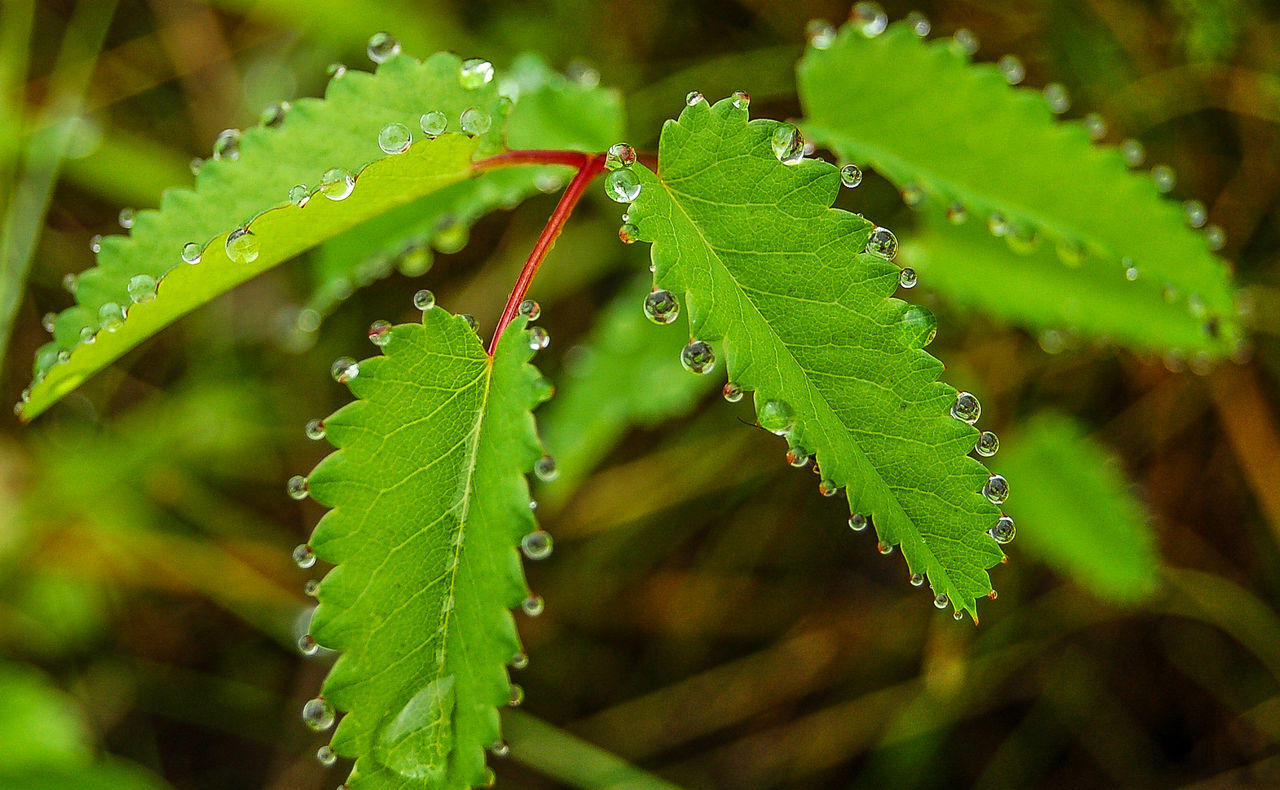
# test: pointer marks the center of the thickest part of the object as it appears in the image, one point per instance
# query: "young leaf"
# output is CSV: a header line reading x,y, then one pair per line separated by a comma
x,y
808,324
1075,511
251,189
930,121
428,506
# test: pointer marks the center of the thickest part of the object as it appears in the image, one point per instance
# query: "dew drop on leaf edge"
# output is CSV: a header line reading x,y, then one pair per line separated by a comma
x,y
777,417
433,123
661,307
395,138
382,47
788,144
698,357
318,714
966,408
344,369
424,300
242,246
337,183
1004,530
850,175
622,185
537,545
731,392
475,73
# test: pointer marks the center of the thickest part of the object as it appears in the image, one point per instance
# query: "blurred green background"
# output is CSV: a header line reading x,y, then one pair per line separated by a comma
x,y
709,618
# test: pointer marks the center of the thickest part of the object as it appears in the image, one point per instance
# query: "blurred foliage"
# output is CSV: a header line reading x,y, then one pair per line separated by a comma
x,y
709,619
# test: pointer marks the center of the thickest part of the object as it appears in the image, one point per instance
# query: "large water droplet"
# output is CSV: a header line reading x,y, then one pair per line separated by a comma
x,y
533,605
424,300
344,369
741,100
869,19
622,185
1012,69
731,392
537,545
142,288
192,252
475,121
858,522
966,408
996,490
1004,530
297,487
382,47
303,555
314,430
919,325
545,468
299,195
777,417
661,307
1057,97
987,445
227,145
337,184
883,243
307,645
827,487
318,714
693,97
698,357
394,138
787,144
433,123
110,317
619,155
821,33
326,756
475,73
380,332
539,338
942,602
628,233
850,175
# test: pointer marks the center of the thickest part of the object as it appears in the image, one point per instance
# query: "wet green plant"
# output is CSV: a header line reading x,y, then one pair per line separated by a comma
x,y
789,301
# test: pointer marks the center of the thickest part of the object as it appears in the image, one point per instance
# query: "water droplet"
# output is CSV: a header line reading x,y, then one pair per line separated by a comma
x,y
731,392
942,602
227,145
693,97
337,184
996,490
433,123
827,487
299,195
1133,152
424,300
516,696
917,580
777,417
622,185
907,278
957,615
919,24
127,217
988,444
48,321
318,714
1071,252
394,138
344,369
471,321
95,243
821,33
869,18
919,325
850,175
997,225
661,307
966,408
698,357
965,41
87,335
1096,126
192,252
379,332
741,100
533,605
1012,69
326,756
787,144
336,71
297,487
883,243
302,553
1130,271
382,47
884,548
539,338
957,213
1003,531
475,73
1164,177
1216,236
242,246
1058,98
1197,213
530,309
858,522
307,645
110,317
195,165
475,121
536,545
619,155
273,115
519,661
142,288
628,233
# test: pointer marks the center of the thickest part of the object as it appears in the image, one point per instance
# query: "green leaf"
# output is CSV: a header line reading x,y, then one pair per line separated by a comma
x,y
928,120
340,131
1075,511
550,112
808,323
429,503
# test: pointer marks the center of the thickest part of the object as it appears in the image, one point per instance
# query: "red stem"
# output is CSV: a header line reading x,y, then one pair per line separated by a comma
x,y
589,166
